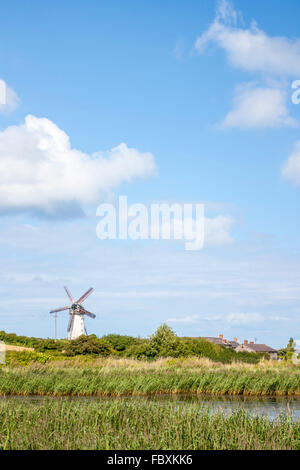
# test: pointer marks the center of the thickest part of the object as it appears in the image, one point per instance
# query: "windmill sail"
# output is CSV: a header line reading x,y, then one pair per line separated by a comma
x,y
71,321
84,296
76,325
68,294
59,309
89,314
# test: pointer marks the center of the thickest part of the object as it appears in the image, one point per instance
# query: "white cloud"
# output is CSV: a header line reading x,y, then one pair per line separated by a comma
x,y
9,99
244,318
251,49
291,169
187,319
217,230
259,107
278,318
213,231
39,171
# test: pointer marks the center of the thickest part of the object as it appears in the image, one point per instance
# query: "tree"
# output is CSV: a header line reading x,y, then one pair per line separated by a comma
x,y
165,342
89,345
120,342
290,346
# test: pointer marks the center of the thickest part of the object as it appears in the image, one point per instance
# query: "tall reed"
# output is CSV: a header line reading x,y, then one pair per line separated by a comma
x,y
136,424
111,377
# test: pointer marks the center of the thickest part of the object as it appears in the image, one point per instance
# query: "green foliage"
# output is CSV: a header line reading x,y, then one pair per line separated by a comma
x,y
287,353
204,348
290,345
282,354
121,342
89,345
141,350
24,358
165,342
39,344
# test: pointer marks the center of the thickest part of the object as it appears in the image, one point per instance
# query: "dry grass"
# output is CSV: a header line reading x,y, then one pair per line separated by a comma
x,y
10,347
162,363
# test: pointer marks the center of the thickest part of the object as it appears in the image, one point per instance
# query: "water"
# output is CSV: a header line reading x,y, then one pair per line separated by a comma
x,y
270,407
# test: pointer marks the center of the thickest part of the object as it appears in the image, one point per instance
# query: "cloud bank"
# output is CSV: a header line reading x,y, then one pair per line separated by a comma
x,y
244,318
259,107
40,172
252,50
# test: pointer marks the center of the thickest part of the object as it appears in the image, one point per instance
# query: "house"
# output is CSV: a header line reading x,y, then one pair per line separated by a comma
x,y
234,344
222,342
257,348
246,346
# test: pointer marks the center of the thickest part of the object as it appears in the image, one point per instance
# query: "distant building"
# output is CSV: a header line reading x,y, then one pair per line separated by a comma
x,y
234,344
249,347
222,342
257,348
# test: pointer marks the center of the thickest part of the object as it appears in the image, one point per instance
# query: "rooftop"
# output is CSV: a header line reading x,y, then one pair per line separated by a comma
x,y
260,347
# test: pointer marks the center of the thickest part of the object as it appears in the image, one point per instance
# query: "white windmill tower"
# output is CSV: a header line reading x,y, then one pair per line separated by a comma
x,y
76,322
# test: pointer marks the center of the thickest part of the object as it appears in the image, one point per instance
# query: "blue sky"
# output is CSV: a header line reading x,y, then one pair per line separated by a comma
x,y
200,93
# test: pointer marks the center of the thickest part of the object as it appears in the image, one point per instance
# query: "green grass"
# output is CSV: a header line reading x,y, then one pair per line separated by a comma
x,y
129,377
136,424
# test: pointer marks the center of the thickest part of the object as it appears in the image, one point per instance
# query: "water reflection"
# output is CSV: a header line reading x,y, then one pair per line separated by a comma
x,y
270,407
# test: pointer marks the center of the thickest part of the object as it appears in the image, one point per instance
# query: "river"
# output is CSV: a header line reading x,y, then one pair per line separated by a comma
x,y
270,407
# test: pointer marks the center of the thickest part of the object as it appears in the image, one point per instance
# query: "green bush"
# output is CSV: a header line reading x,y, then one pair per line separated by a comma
x,y
121,342
164,343
142,350
24,358
39,344
89,345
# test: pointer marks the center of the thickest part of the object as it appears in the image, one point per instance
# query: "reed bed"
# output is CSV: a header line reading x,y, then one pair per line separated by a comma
x,y
136,424
129,377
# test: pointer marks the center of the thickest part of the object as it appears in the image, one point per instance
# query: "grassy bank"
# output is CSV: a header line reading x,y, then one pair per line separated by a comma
x,y
126,424
131,377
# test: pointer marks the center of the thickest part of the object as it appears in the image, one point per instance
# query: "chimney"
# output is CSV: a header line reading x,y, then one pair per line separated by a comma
x,y
251,342
220,336
245,341
235,340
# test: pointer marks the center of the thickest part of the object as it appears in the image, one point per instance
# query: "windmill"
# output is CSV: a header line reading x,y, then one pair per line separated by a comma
x,y
76,322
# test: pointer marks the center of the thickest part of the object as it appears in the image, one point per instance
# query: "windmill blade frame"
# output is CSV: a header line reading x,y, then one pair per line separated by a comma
x,y
86,312
69,294
84,296
71,321
60,309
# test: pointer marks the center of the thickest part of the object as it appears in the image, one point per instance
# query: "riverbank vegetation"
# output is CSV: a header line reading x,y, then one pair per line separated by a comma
x,y
164,343
137,424
122,365
86,376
